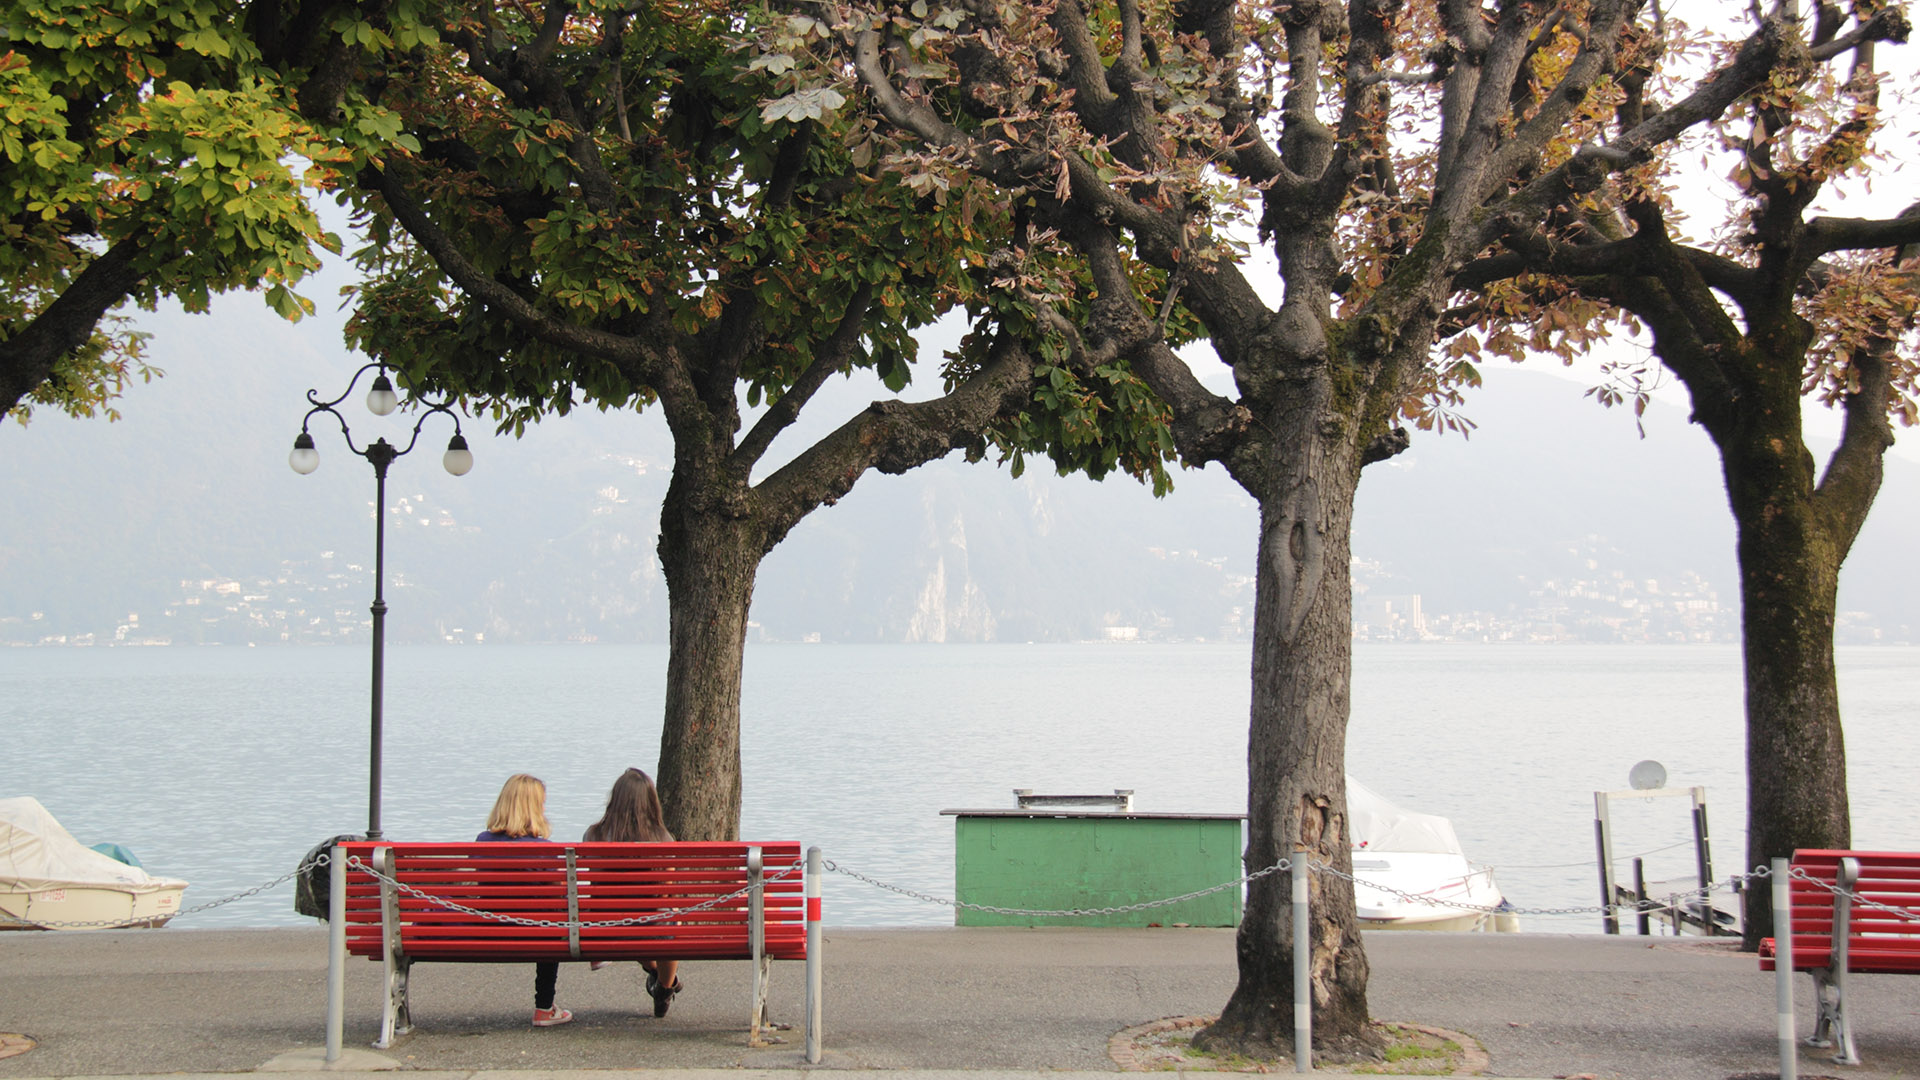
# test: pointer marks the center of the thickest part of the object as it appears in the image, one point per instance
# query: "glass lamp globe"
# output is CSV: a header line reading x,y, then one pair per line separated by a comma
x,y
459,459
381,400
304,458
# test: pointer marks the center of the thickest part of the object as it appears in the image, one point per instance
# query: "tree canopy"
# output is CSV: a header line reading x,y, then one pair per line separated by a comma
x,y
161,150
633,207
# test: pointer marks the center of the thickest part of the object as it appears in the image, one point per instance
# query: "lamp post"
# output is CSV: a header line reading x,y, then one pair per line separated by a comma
x,y
381,401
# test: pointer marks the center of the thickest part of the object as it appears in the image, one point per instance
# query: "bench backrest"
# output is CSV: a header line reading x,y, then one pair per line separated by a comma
x,y
1877,941
597,884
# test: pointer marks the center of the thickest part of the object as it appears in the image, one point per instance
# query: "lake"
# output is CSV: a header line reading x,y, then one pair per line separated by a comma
x,y
223,765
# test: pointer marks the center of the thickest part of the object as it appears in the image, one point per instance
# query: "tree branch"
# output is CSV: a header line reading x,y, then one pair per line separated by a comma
x,y
1246,153
832,357
893,437
1888,24
29,354
1826,235
1086,68
1597,58
1852,478
643,366
1590,165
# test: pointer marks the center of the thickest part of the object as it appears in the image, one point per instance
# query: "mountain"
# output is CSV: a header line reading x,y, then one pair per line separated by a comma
x,y
182,523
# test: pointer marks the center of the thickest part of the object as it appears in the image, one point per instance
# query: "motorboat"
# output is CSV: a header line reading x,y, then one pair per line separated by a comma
x,y
1410,872
51,881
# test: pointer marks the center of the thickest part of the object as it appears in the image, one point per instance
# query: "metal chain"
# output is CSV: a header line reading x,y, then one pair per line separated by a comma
x,y
1758,873
354,861
1910,914
320,860
1586,863
1650,904
1283,864
1316,867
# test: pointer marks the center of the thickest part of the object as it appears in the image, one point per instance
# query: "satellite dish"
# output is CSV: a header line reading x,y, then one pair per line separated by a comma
x,y
1647,776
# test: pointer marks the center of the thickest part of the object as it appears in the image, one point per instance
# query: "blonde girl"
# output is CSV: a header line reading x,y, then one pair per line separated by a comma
x,y
520,813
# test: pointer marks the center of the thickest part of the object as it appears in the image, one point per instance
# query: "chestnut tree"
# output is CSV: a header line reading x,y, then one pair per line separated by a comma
x,y
619,206
1376,149
1781,302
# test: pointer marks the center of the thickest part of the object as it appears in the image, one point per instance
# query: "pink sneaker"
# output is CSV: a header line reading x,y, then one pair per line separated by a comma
x,y
599,965
551,1017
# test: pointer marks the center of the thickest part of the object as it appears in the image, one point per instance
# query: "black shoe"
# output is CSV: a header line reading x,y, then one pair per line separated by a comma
x,y
663,995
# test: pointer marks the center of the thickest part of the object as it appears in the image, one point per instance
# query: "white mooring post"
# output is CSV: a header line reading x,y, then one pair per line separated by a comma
x,y
813,955
1302,962
1783,969
336,951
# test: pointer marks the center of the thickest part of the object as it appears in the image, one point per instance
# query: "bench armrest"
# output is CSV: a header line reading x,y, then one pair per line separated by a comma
x,y
1846,876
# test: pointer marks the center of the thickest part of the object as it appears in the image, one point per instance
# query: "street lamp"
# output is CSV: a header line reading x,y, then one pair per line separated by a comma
x,y
381,401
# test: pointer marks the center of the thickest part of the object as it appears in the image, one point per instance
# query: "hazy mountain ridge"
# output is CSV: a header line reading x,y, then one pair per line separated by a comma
x,y
185,514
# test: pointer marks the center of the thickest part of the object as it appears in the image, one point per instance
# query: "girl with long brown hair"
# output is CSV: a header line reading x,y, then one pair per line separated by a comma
x,y
633,816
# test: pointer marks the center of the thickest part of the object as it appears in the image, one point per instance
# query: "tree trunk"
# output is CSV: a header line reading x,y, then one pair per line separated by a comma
x,y
710,556
1789,582
1296,755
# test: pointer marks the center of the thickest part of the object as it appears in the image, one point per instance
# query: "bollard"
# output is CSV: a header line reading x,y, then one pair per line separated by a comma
x,y
813,955
1783,969
336,951
1644,920
1302,962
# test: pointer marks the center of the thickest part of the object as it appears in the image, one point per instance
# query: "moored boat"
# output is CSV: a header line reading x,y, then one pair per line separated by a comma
x,y
51,881
1410,872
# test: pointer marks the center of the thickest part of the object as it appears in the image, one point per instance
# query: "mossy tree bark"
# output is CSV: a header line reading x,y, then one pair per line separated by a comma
x,y
1296,753
710,556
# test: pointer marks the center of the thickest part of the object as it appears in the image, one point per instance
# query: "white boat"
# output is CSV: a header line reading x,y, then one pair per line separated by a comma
x,y
50,881
1411,874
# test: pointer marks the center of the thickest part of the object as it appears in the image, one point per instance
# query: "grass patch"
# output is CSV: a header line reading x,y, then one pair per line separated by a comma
x,y
1412,1052
1408,1051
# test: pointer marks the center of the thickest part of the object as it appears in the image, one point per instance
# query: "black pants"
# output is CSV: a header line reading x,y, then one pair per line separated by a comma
x,y
544,978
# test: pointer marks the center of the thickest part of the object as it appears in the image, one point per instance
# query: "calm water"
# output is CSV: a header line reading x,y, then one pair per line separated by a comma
x,y
224,765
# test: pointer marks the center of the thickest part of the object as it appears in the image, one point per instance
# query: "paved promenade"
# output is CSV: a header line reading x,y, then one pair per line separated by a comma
x,y
997,1004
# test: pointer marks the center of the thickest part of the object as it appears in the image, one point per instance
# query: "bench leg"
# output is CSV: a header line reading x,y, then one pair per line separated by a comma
x,y
1832,1026
1823,1003
397,1019
759,1024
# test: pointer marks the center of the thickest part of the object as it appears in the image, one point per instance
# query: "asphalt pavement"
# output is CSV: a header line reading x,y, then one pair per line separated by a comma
x,y
992,1003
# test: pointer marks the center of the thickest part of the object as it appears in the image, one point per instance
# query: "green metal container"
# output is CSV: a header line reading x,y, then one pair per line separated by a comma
x,y
1044,860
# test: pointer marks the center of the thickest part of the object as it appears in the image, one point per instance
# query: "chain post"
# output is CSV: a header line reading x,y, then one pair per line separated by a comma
x,y
1783,970
1302,965
336,952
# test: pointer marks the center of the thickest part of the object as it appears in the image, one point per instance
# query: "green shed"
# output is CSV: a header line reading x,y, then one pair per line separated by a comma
x,y
1049,860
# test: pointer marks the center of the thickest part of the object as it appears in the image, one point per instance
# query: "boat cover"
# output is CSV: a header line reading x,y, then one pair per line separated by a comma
x,y
1379,825
37,853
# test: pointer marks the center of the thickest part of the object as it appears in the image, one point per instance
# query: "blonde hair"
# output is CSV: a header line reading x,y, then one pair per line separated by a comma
x,y
521,809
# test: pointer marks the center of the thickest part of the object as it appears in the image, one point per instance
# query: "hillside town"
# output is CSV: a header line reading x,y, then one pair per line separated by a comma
x,y
324,601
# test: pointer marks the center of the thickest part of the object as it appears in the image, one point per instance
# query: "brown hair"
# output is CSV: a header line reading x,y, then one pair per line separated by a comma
x,y
633,812
521,809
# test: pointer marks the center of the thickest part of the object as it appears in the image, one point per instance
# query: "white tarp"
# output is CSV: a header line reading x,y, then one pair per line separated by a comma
x,y
1379,825
37,853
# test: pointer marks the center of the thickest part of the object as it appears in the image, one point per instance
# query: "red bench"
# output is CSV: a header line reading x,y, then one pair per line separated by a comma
x,y
1834,934
517,903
